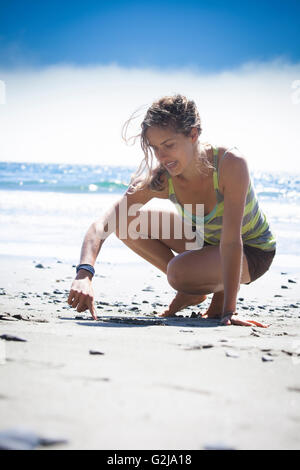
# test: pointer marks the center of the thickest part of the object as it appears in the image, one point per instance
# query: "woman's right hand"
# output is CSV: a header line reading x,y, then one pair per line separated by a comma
x,y
82,294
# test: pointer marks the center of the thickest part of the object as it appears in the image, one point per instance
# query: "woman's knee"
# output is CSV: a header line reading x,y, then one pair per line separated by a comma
x,y
183,278
176,274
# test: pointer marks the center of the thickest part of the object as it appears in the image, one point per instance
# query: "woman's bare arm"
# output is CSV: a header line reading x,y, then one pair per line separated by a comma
x,y
81,294
235,177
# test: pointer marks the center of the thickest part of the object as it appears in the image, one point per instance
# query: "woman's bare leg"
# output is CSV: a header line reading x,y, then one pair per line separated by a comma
x,y
201,271
193,273
159,251
216,306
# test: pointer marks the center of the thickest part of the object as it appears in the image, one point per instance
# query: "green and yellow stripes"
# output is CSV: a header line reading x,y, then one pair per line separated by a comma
x,y
255,228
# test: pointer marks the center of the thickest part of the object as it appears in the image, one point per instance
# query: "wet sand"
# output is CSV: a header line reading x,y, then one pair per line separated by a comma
x,y
134,380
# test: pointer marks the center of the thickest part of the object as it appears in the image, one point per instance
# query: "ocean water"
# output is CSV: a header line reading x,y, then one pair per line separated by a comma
x,y
45,209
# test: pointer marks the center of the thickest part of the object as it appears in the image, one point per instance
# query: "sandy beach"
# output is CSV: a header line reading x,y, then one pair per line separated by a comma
x,y
134,380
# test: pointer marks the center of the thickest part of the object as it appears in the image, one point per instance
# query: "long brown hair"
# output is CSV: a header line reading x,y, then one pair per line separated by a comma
x,y
176,112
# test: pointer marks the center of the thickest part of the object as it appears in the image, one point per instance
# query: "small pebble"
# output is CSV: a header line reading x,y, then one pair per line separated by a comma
x,y
40,266
267,358
148,289
94,352
12,338
194,315
218,446
254,333
232,354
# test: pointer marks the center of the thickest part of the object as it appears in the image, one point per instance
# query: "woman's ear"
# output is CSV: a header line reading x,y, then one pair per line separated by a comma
x,y
194,135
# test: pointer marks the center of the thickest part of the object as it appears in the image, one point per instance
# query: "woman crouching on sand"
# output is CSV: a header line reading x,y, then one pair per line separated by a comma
x,y
233,241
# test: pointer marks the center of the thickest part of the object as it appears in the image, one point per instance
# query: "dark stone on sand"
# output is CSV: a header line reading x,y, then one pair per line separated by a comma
x,y
94,352
292,281
148,289
241,299
40,266
255,333
145,302
232,354
218,446
103,303
192,347
284,287
8,337
267,358
22,439
194,315
7,317
19,316
134,309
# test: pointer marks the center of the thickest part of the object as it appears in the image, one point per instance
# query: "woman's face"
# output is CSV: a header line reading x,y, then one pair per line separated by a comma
x,y
174,151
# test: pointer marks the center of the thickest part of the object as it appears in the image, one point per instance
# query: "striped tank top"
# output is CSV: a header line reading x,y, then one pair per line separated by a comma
x,y
256,231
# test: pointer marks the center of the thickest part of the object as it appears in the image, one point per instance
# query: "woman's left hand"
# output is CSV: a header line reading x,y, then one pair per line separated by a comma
x,y
228,319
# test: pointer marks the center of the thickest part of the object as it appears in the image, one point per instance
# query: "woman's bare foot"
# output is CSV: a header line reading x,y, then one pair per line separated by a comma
x,y
182,300
216,306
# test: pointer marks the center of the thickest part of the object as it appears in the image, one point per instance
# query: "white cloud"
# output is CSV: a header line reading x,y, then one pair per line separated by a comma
x,y
75,114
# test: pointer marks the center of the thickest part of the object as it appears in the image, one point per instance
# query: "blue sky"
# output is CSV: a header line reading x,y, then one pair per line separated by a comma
x,y
72,72
208,35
